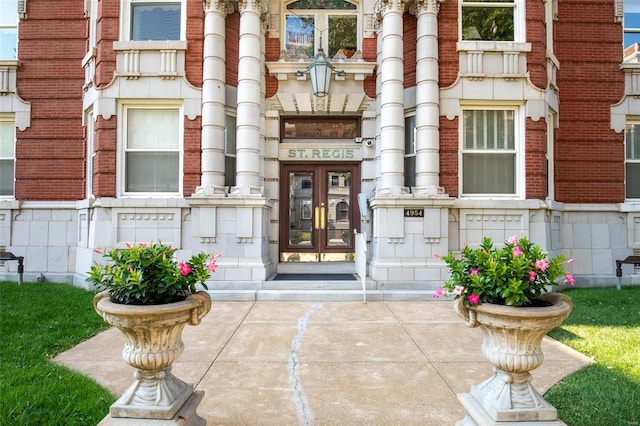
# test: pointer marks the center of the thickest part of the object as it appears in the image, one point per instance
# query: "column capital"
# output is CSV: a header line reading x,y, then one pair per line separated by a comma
x,y
425,6
261,7
382,7
223,6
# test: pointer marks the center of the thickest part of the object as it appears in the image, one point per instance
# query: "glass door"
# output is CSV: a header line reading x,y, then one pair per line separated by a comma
x,y
317,212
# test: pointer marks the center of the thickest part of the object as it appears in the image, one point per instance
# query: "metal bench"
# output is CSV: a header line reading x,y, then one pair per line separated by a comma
x,y
632,260
7,255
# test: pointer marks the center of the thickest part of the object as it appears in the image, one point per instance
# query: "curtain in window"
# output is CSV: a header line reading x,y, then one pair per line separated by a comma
x,y
152,152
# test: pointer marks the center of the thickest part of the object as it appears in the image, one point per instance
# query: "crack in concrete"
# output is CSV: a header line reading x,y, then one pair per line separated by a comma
x,y
303,410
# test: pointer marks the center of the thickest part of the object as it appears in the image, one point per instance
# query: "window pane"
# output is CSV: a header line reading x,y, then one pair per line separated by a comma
x,y
230,135
487,22
321,4
8,43
300,32
152,129
633,180
491,129
488,173
152,172
343,34
7,139
410,171
632,141
409,135
330,128
155,22
6,177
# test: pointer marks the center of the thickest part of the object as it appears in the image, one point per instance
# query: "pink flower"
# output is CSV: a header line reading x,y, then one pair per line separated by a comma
x,y
211,266
513,239
184,268
439,292
570,279
542,264
474,299
517,251
474,272
571,260
532,276
458,290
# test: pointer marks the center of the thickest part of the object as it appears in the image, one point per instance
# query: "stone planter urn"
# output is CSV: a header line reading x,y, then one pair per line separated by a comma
x,y
153,336
512,343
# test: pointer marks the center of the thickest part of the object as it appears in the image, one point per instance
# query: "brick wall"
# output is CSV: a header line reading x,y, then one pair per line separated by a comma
x,y
409,37
104,162
589,155
536,35
50,153
535,159
231,46
449,155
195,30
108,32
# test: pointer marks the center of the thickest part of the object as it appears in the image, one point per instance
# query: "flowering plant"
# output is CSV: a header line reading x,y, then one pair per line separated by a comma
x,y
513,275
147,274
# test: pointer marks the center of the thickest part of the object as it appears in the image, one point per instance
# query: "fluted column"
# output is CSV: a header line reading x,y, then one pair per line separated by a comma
x,y
213,98
427,99
391,98
248,167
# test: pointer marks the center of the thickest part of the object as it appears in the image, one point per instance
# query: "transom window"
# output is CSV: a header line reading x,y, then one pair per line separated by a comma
x,y
153,19
152,150
327,128
330,24
495,20
8,30
632,163
490,146
7,155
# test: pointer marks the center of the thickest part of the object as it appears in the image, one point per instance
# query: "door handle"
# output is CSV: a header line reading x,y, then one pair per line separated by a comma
x,y
316,217
322,216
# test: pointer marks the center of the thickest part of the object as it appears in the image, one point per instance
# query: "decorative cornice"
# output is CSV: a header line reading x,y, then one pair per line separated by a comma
x,y
260,6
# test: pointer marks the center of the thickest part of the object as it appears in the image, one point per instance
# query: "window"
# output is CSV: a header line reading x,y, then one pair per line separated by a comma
x,y
152,150
7,155
91,155
230,151
490,20
8,30
490,152
329,24
324,128
631,22
410,151
153,19
632,164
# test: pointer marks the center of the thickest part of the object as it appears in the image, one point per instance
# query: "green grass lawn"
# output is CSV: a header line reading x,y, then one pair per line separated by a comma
x,y
38,321
604,325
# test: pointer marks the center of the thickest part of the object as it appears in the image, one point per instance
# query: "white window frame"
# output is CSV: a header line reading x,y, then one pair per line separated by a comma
x,y
627,161
13,24
125,20
321,24
10,118
519,150
122,140
519,21
410,179
228,155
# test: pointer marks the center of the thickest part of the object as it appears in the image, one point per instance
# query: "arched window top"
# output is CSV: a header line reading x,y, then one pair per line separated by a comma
x,y
321,4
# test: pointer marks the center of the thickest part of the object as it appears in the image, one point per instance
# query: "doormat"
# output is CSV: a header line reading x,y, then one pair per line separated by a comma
x,y
314,277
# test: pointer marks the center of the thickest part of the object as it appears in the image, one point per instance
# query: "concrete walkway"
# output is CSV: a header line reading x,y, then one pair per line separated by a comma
x,y
325,363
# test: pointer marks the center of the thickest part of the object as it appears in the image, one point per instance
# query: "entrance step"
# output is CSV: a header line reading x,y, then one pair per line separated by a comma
x,y
322,291
316,268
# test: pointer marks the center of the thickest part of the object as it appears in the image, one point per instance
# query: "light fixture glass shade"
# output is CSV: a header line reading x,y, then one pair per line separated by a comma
x,y
320,72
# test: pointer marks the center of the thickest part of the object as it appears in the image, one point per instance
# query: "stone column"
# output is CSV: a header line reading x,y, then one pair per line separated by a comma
x,y
391,97
248,121
427,99
213,98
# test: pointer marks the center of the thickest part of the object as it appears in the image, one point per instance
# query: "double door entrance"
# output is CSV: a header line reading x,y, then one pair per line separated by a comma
x,y
318,212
